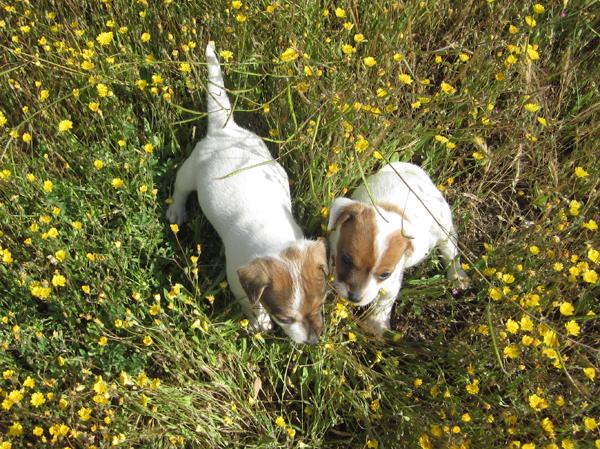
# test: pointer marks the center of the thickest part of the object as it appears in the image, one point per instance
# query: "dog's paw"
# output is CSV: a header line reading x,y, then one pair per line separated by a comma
x,y
176,213
261,323
376,326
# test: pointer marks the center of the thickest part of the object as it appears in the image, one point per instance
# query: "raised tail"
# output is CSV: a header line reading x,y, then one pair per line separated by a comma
x,y
220,114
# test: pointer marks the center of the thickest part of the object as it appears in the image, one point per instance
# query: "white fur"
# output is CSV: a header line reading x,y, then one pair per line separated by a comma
x,y
242,191
426,220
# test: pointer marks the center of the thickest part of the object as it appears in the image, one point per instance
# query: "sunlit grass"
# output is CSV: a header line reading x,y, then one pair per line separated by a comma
x,y
119,331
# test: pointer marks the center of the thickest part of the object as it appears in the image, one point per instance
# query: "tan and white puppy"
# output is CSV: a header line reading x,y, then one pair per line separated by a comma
x,y
271,268
372,244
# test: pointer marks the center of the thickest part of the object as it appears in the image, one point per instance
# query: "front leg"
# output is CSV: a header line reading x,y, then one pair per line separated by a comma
x,y
259,319
378,318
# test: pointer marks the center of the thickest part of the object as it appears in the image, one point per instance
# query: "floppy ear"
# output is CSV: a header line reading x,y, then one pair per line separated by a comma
x,y
254,279
319,250
339,212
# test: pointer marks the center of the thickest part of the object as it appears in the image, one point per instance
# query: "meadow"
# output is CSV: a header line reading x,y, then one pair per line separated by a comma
x,y
118,330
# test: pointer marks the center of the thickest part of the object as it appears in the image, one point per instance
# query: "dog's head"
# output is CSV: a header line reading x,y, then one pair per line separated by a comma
x,y
291,287
368,248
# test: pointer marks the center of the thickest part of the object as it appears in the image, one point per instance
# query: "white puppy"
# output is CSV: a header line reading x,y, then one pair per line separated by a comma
x,y
245,194
372,245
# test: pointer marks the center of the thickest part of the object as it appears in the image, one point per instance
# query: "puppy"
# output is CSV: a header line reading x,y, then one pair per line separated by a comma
x,y
372,244
271,268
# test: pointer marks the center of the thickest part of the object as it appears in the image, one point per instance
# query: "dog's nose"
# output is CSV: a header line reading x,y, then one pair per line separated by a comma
x,y
353,296
312,339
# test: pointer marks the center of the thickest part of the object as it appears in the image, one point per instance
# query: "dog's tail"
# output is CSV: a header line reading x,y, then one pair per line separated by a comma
x,y
220,114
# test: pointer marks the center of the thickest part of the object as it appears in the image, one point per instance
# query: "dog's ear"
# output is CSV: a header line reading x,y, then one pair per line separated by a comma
x,y
339,212
319,251
254,279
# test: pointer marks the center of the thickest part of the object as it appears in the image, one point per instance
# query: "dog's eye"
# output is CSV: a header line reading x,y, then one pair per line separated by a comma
x,y
384,276
347,259
284,319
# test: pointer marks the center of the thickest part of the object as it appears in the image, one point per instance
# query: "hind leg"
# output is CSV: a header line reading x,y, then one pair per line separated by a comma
x,y
185,183
449,249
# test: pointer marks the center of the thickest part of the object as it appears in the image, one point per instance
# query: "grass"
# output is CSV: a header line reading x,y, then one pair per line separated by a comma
x,y
118,332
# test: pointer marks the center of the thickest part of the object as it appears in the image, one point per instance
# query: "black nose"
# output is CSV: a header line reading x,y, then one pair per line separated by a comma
x,y
353,296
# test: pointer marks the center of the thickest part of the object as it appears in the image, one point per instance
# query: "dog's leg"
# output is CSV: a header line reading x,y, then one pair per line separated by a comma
x,y
378,318
185,182
450,255
259,319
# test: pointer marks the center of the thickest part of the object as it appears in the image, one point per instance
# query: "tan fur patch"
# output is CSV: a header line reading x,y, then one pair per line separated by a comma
x,y
269,281
398,246
393,209
356,242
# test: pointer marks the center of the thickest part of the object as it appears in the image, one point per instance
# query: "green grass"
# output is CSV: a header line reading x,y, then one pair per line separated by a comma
x,y
155,351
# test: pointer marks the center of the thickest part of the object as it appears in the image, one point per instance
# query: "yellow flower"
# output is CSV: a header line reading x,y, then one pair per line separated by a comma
x,y
590,373
340,13
226,55
280,422
117,183
590,276
348,49
513,29
361,144
65,125
418,382
447,88
145,37
537,403
84,413
532,53
542,121
37,431
58,280
102,89
185,67
37,399
15,430
530,21
495,293
26,137
526,323
44,94
510,60
48,186
372,444
149,148
572,328
591,225
105,38
370,61
289,55
236,4
463,57
359,37
590,423
94,106
566,308
148,340
580,172
532,107
102,341
29,382
511,351
538,8
512,326
473,387
593,255
425,442
567,444
98,164
175,228
405,78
